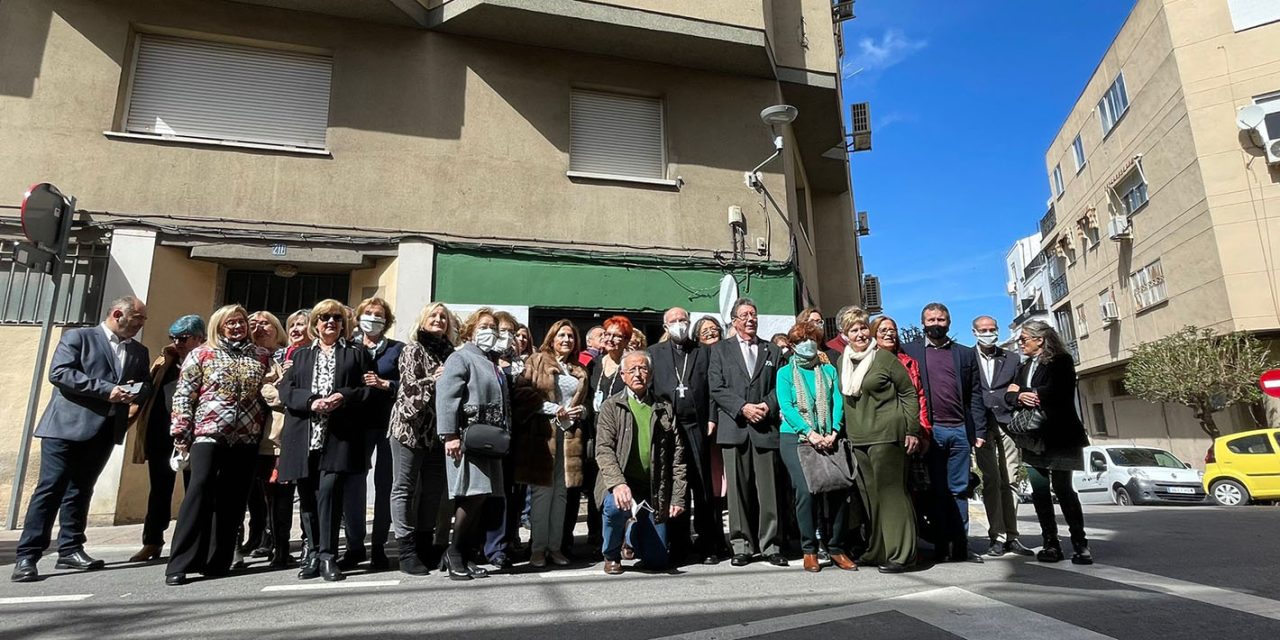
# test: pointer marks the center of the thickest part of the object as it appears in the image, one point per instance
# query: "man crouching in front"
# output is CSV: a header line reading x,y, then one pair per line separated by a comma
x,y
642,468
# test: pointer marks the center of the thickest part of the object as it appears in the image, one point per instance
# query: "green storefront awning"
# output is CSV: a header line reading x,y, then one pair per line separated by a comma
x,y
634,283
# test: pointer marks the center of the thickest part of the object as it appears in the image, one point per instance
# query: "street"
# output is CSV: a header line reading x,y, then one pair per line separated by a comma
x,y
1161,572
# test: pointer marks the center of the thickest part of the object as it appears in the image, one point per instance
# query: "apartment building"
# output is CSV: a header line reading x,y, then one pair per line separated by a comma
x,y
555,159
1027,268
1164,206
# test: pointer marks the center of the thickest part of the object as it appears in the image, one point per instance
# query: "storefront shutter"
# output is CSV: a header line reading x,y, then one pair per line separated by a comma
x,y
616,135
197,89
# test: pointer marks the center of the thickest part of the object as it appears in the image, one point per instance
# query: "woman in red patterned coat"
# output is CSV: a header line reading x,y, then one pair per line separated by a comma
x,y
217,420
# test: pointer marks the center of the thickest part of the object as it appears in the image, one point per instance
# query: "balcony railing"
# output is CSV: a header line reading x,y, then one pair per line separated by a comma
x,y
1074,347
1047,223
1058,289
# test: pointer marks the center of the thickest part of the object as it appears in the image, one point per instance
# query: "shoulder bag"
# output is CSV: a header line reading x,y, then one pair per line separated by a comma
x,y
1026,429
486,440
826,471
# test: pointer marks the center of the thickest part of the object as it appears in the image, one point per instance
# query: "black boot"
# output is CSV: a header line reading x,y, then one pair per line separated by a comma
x,y
310,566
410,563
456,564
1082,554
1052,551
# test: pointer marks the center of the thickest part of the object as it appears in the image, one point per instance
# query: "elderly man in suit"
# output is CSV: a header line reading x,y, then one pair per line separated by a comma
x,y
949,373
742,374
94,373
680,378
999,458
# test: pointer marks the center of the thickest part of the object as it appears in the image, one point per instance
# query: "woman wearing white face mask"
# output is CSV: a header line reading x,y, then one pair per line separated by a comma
x,y
374,320
471,391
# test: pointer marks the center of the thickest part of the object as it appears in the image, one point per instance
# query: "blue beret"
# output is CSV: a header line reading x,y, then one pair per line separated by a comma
x,y
190,325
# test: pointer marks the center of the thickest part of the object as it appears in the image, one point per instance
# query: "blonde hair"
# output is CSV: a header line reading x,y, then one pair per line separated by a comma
x,y
469,327
376,302
325,307
219,317
451,321
281,338
850,316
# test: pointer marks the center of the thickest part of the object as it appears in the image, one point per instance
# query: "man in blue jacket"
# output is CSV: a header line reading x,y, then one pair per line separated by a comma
x,y
97,372
950,375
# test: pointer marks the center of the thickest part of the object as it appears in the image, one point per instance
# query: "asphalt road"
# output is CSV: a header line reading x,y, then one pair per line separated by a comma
x,y
1161,572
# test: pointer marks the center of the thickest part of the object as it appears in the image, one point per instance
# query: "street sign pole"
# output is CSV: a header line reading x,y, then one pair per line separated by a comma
x,y
37,373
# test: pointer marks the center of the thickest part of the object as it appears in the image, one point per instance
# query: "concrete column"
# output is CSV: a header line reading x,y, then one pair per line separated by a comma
x,y
415,283
128,274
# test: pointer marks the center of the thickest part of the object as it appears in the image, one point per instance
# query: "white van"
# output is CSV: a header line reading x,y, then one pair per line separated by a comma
x,y
1130,474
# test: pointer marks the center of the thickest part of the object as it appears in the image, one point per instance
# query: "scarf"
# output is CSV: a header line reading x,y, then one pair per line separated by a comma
x,y
851,374
806,405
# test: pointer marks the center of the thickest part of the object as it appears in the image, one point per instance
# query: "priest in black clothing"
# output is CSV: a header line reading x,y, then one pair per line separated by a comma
x,y
680,377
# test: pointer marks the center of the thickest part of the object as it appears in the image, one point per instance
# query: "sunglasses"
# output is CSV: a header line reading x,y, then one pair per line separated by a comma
x,y
182,338
1022,339
331,317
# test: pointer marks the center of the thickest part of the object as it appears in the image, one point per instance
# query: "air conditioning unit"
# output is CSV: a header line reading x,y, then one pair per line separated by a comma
x,y
1110,313
863,228
860,119
871,301
1119,229
1273,151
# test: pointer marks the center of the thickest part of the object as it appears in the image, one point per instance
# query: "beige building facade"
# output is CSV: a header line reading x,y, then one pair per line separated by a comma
x,y
556,158
1164,212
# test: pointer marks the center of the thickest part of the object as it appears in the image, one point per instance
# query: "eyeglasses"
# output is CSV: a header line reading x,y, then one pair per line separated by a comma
x,y
331,317
747,316
182,338
636,370
1022,339
887,332
612,336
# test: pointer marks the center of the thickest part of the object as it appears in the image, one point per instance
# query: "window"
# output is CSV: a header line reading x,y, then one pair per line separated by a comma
x,y
1118,390
1271,124
1082,325
1107,306
1148,286
616,136
193,90
1096,460
1077,149
1143,457
1132,191
1257,443
1055,181
264,290
1099,419
1113,104
26,294
1246,14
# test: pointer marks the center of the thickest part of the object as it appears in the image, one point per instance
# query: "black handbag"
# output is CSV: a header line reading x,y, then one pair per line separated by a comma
x,y
486,440
1026,429
827,470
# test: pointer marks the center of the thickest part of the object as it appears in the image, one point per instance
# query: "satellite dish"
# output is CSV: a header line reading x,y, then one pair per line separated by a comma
x,y
728,295
1250,117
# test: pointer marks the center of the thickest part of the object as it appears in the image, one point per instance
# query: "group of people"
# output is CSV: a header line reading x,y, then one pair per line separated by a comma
x,y
857,447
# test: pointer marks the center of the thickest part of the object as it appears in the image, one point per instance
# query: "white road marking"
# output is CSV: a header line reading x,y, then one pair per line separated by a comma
x,y
952,609
45,599
1216,596
322,586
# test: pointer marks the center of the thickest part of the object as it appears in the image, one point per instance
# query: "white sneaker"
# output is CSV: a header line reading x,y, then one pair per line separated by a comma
x,y
538,559
558,559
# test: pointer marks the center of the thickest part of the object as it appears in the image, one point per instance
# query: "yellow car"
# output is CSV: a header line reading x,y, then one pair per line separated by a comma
x,y
1243,466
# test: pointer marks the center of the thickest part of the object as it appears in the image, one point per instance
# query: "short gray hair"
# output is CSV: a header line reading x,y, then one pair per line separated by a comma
x,y
850,316
648,360
742,302
127,304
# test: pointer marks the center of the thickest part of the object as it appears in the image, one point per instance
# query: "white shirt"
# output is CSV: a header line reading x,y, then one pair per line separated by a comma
x,y
117,346
988,364
749,352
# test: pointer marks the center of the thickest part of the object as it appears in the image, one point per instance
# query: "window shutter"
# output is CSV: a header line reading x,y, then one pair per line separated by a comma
x,y
616,135
212,90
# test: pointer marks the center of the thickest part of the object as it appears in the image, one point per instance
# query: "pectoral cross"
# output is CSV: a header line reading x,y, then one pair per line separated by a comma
x,y
680,389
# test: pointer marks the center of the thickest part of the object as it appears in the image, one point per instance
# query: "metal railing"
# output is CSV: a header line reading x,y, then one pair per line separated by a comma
x,y
1058,289
1048,222
1074,347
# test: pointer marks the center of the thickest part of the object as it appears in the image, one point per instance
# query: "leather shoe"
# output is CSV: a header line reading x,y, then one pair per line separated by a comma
x,y
310,567
627,552
24,570
477,571
844,562
710,560
613,567
80,561
1015,546
965,555
740,560
175,579
778,560
330,572
892,567
996,549
147,553
811,563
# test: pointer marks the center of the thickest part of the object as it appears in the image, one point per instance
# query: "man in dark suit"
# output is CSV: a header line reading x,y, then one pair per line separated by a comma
x,y
998,458
680,377
949,373
87,416
742,374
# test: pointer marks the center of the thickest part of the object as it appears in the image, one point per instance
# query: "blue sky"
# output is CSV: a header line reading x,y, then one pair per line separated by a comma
x,y
965,98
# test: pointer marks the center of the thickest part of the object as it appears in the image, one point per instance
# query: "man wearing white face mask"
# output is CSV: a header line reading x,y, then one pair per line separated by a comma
x,y
680,378
998,460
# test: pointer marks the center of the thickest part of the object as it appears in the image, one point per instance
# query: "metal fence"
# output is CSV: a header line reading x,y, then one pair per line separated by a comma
x,y
26,294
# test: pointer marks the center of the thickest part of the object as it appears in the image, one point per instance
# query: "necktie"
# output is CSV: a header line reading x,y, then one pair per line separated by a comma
x,y
750,357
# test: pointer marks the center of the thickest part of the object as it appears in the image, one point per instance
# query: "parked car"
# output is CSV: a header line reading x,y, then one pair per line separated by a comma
x,y
1129,474
1243,467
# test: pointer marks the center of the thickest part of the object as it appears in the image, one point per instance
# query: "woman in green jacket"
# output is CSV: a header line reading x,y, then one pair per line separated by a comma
x,y
812,414
881,420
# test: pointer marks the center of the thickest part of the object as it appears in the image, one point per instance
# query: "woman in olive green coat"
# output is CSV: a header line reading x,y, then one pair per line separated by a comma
x,y
881,421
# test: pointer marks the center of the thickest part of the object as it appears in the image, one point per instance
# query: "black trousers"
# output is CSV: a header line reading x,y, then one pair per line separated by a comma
x,y
68,471
162,477
258,503
320,508
704,515
1042,480
280,504
824,514
205,538
355,494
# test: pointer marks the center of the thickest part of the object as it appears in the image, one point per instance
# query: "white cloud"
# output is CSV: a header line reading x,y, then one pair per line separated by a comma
x,y
877,55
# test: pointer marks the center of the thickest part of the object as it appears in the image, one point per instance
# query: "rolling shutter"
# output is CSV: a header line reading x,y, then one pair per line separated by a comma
x,y
616,135
198,89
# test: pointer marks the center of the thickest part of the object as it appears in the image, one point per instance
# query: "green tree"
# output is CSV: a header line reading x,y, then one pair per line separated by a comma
x,y
1199,369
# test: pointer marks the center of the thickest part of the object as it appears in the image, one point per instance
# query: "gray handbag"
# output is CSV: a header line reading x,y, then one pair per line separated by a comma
x,y
826,471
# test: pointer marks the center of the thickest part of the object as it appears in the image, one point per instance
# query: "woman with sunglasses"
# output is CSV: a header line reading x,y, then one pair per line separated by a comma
x,y
324,440
152,443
